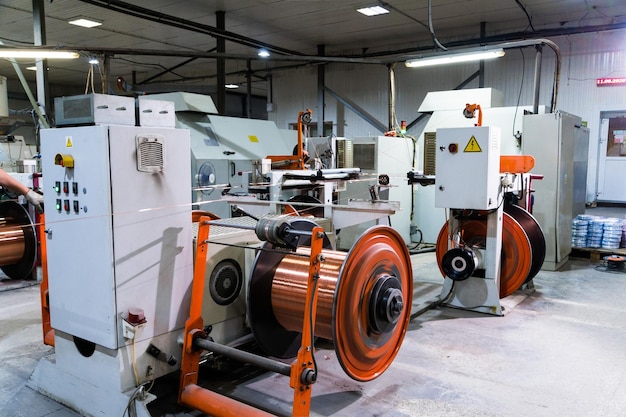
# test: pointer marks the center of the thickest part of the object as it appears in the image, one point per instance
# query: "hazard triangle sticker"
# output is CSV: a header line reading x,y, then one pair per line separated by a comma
x,y
472,146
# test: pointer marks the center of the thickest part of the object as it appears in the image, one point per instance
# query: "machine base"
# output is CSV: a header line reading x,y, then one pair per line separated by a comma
x,y
475,291
80,395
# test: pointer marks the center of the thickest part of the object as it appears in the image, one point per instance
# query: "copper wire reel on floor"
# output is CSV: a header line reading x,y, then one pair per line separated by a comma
x,y
18,242
523,245
363,307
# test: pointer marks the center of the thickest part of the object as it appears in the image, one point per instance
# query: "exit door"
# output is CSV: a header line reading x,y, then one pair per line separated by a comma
x,y
612,157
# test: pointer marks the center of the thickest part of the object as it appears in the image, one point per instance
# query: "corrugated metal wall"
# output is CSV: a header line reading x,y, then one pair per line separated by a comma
x,y
585,58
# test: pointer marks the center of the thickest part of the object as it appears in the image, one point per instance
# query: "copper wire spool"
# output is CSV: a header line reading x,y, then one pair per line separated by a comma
x,y
535,235
363,306
523,246
17,241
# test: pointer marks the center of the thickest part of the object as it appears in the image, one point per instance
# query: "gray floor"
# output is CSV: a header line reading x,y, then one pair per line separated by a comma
x,y
560,352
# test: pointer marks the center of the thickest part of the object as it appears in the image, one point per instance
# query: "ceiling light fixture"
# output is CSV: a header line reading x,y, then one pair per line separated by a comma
x,y
94,61
231,86
452,57
33,68
373,11
264,53
36,54
84,22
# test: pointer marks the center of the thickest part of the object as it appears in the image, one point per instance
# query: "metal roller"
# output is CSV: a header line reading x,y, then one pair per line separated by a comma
x,y
18,244
363,306
523,246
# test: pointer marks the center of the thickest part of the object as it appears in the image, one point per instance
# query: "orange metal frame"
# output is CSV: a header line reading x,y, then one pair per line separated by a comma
x,y
209,402
293,161
48,331
471,108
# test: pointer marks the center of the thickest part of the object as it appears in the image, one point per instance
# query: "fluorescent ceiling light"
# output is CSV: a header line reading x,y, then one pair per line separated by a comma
x,y
33,68
263,53
36,54
372,11
231,86
94,61
454,57
84,22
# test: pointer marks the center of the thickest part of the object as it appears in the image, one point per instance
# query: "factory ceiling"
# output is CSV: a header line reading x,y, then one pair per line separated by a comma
x,y
156,44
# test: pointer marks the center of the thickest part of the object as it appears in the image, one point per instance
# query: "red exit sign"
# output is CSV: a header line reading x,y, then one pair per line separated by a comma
x,y
610,82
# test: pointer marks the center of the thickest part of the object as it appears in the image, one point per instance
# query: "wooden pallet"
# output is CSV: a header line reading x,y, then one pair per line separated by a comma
x,y
596,254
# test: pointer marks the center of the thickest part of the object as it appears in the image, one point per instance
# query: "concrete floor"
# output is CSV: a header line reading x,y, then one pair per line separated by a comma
x,y
560,352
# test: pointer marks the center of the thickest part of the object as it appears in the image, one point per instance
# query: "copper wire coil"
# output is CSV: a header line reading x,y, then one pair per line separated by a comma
x,y
11,243
18,243
363,306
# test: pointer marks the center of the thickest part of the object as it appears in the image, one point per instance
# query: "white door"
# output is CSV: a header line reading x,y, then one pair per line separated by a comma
x,y
612,160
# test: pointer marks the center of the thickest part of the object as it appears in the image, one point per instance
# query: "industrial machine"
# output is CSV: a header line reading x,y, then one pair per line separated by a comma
x,y
222,147
449,109
301,289
490,246
124,304
119,260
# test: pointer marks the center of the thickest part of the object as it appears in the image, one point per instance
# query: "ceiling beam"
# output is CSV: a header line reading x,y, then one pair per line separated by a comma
x,y
165,19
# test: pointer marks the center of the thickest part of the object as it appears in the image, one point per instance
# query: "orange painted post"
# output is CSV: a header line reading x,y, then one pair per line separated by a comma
x,y
48,331
304,368
190,363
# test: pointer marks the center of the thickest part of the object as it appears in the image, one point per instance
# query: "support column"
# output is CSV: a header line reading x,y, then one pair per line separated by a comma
x,y
321,81
537,86
220,22
249,89
39,29
481,68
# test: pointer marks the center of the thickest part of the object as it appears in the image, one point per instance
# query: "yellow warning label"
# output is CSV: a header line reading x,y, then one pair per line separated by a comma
x,y
472,146
68,143
253,138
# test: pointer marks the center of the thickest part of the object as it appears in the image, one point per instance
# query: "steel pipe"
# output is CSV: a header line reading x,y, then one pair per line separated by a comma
x,y
215,404
242,356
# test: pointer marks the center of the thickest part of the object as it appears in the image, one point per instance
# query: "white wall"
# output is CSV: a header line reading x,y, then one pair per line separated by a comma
x,y
585,58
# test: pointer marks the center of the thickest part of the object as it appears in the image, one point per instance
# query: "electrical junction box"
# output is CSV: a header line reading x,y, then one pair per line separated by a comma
x,y
468,168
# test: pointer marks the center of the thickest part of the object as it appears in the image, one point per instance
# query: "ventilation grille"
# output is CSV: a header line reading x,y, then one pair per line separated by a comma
x,y
430,152
150,153
345,154
365,156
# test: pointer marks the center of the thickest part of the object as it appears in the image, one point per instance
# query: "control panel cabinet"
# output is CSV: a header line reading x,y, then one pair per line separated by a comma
x,y
468,168
118,229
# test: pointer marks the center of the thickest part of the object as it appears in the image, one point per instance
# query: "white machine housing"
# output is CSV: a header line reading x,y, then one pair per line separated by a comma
x,y
117,239
468,167
230,257
377,155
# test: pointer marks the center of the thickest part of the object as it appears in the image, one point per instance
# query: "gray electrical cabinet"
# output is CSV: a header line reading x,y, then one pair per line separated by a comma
x,y
551,139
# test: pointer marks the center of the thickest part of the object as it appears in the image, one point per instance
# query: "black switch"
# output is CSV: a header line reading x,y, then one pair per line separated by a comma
x,y
76,208
66,187
75,188
57,187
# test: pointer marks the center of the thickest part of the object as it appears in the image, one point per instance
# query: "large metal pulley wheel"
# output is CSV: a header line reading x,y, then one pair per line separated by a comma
x,y
363,306
523,246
